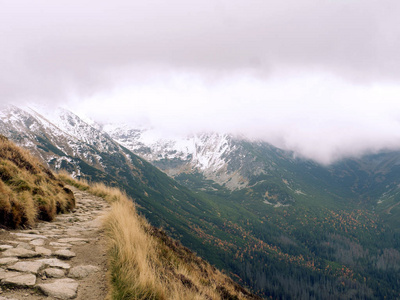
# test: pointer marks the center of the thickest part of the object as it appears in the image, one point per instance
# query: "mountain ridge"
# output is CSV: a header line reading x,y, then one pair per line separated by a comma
x,y
259,232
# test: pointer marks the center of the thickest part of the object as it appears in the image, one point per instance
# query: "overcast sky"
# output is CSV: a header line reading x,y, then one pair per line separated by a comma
x,y
320,77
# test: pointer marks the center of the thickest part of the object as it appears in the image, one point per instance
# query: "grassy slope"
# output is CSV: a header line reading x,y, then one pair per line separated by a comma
x,y
28,191
146,264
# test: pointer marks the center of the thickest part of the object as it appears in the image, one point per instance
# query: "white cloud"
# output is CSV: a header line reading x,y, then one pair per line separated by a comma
x,y
315,76
319,116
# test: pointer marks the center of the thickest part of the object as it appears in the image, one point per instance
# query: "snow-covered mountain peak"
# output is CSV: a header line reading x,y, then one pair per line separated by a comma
x,y
215,156
206,153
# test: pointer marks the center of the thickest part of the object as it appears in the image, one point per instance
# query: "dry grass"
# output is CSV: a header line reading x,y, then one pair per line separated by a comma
x,y
146,264
28,190
110,194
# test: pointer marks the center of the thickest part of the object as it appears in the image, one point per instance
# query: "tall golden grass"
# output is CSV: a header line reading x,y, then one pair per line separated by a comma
x,y
144,263
28,191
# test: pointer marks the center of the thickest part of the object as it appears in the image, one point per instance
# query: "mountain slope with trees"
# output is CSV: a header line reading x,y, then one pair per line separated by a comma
x,y
295,229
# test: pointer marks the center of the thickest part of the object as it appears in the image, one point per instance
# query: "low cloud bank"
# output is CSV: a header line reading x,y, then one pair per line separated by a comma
x,y
318,116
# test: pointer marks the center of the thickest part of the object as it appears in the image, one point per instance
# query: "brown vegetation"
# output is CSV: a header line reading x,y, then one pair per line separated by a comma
x,y
28,191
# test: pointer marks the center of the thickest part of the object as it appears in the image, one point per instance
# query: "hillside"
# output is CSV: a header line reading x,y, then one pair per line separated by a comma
x,y
28,191
147,264
293,228
144,262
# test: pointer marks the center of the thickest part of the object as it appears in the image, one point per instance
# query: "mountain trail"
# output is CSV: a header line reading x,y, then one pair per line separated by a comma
x,y
63,259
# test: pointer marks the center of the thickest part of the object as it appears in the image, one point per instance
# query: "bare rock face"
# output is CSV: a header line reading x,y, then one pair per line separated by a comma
x,y
61,288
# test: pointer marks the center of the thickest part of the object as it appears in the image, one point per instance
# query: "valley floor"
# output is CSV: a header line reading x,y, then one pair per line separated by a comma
x,y
63,259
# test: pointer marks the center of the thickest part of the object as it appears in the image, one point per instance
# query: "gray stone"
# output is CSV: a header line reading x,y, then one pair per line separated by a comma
x,y
5,274
20,280
54,273
64,254
61,288
13,242
5,247
78,243
8,260
29,236
73,233
64,245
27,266
24,245
72,240
82,271
37,242
43,251
56,263
20,252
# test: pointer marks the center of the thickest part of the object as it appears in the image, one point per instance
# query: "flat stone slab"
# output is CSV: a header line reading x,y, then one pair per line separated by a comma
x,y
82,271
13,242
64,254
79,243
72,240
25,246
61,288
29,236
21,280
20,252
56,263
55,244
43,251
54,273
37,242
27,266
6,274
5,247
8,260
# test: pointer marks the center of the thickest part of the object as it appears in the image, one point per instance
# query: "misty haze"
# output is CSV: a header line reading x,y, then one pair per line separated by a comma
x,y
264,136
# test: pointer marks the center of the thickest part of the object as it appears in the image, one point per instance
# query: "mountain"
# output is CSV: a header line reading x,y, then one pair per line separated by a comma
x,y
221,158
285,226
142,260
235,163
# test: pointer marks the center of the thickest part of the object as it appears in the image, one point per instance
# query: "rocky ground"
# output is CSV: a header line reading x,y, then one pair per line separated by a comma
x,y
63,259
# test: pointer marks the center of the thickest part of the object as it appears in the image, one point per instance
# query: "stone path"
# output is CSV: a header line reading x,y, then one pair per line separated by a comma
x,y
63,259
